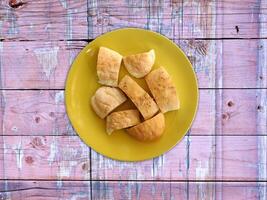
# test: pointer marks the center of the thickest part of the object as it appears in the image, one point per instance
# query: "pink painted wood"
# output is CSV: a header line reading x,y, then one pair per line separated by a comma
x,y
175,190
178,19
45,190
194,158
226,42
45,157
43,113
44,65
37,65
52,190
43,20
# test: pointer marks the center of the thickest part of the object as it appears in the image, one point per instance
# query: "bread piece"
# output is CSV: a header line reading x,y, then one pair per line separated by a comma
x,y
107,99
163,90
122,119
141,99
108,66
139,65
150,129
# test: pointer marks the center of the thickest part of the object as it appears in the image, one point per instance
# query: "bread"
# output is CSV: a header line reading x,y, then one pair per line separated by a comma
x,y
108,66
139,65
150,129
122,119
163,90
106,99
141,99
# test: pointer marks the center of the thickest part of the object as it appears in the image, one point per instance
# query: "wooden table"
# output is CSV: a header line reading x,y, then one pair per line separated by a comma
x,y
223,156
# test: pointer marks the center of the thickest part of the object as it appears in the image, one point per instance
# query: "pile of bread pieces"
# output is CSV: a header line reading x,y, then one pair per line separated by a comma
x,y
112,94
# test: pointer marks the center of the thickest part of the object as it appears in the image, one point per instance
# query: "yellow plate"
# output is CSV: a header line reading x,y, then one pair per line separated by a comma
x,y
82,83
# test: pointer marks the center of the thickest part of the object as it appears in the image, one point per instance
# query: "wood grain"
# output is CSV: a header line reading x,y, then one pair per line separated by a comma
x,y
192,159
67,20
67,158
262,102
220,112
179,19
44,65
37,65
43,20
45,190
45,157
51,190
174,190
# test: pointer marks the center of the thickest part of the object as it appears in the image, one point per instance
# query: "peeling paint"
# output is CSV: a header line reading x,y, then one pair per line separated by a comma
x,y
14,129
59,97
47,27
11,17
78,196
7,195
59,183
53,150
262,101
67,161
48,59
63,3
158,164
19,154
69,24
129,189
65,168
202,171
138,190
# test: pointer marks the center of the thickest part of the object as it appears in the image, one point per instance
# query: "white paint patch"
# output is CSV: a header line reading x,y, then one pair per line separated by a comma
x,y
7,195
202,171
69,24
78,196
59,183
47,58
53,150
12,19
59,97
14,129
67,162
158,164
47,27
139,187
19,154
63,3
1,46
129,189
65,168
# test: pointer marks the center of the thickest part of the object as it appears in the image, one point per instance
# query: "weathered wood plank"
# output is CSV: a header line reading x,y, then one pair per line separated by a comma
x,y
43,20
174,190
35,113
262,101
138,190
50,190
192,159
238,20
37,65
44,65
45,190
42,112
65,20
45,157
67,158
178,19
238,66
